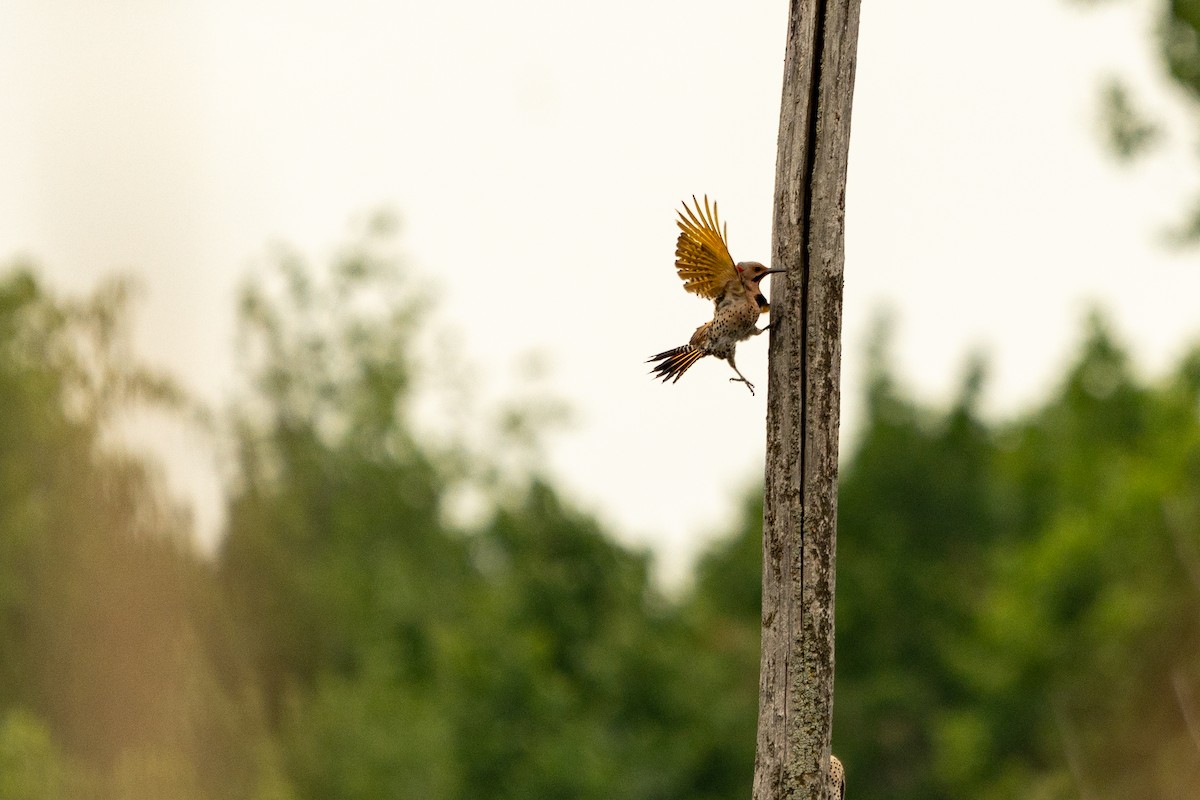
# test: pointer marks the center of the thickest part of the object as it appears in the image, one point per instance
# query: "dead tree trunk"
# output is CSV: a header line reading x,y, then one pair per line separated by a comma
x,y
800,518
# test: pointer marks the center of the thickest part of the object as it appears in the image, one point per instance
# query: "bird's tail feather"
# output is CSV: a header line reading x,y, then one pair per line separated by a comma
x,y
673,363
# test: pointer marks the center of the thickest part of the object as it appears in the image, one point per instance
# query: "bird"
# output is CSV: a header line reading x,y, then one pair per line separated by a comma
x,y
703,262
837,778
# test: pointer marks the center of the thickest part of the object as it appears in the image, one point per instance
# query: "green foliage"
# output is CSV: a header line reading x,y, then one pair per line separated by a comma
x,y
106,617
1130,131
1180,43
398,655
31,767
1017,601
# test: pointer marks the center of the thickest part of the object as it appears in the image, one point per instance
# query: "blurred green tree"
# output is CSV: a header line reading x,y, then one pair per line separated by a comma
x,y
528,657
1017,602
1134,125
31,766
1017,609
1090,610
106,615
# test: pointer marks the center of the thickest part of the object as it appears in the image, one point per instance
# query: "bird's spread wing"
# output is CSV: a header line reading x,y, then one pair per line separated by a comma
x,y
701,255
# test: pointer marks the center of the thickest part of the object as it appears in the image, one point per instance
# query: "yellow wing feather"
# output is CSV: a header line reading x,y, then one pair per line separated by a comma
x,y
701,255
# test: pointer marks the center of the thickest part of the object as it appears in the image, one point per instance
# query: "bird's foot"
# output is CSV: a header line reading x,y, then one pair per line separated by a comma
x,y
749,385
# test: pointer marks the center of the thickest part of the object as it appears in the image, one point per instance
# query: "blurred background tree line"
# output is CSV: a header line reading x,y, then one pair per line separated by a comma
x,y
1018,600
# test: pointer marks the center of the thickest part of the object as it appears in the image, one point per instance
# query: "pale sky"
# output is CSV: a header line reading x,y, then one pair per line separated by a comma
x,y
536,152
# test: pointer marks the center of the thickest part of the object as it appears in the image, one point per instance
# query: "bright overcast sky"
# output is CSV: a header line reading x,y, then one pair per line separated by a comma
x,y
536,151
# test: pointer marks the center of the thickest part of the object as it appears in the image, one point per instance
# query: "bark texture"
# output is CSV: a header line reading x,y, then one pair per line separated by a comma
x,y
800,518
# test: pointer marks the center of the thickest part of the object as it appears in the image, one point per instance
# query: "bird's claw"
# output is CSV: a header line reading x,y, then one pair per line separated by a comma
x,y
749,385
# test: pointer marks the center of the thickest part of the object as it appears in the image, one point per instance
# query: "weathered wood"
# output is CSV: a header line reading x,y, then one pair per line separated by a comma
x,y
800,517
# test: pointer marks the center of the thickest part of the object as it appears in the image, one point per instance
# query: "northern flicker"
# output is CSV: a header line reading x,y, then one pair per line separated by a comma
x,y
703,262
837,778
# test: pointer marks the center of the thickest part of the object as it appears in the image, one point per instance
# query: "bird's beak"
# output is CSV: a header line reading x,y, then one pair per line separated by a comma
x,y
774,270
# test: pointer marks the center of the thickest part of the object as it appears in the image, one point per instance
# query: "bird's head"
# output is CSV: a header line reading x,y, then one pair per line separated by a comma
x,y
751,273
